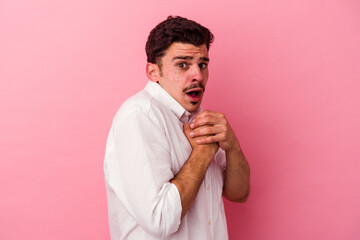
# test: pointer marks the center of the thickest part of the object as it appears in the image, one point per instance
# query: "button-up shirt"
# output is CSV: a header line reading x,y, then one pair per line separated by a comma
x,y
146,148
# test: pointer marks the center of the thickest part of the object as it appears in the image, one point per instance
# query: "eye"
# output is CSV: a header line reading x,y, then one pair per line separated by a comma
x,y
182,65
203,65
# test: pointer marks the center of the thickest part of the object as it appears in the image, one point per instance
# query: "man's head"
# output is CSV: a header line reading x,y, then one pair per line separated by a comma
x,y
177,54
175,29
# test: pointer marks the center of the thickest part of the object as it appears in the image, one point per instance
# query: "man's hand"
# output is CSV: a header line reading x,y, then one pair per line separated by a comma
x,y
210,148
191,175
213,127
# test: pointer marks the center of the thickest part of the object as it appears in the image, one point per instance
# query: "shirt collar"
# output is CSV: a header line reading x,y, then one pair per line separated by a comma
x,y
156,91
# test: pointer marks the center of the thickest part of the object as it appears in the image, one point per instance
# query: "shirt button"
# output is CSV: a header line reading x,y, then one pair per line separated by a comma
x,y
208,188
209,222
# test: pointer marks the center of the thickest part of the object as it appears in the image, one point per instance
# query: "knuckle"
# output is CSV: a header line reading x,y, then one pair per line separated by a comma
x,y
222,136
205,132
221,115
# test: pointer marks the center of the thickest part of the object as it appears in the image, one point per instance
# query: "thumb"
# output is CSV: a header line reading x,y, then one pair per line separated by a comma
x,y
187,127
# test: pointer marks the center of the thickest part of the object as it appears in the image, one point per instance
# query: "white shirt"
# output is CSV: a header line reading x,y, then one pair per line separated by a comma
x,y
146,148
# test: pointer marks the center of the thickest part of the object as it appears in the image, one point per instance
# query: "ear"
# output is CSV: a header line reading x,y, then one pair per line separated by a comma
x,y
153,72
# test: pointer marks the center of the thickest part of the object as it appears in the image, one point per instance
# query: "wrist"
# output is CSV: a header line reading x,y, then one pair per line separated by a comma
x,y
206,151
236,149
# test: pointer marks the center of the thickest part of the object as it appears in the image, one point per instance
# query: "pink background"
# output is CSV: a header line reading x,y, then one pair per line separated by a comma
x,y
286,74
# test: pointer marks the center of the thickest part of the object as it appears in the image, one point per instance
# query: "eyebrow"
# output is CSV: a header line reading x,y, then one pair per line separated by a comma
x,y
190,58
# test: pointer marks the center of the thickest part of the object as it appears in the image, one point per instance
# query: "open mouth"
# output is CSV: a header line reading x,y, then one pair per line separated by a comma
x,y
195,94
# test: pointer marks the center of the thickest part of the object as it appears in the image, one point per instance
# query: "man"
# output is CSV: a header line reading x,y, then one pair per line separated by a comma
x,y
167,162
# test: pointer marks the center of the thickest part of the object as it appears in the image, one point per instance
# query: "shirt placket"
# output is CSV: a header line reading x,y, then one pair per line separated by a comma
x,y
207,182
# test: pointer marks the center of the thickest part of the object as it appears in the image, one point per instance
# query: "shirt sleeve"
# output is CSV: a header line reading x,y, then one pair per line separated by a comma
x,y
138,170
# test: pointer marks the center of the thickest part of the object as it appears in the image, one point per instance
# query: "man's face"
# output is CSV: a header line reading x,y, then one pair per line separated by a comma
x,y
184,73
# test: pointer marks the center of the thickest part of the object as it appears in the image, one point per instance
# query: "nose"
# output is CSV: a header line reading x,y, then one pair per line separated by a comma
x,y
197,75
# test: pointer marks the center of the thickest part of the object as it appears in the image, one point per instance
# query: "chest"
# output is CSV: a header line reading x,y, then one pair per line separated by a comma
x,y
180,148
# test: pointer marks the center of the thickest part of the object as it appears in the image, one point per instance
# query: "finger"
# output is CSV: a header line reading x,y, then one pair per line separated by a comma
x,y
209,113
187,130
208,120
186,126
207,130
210,139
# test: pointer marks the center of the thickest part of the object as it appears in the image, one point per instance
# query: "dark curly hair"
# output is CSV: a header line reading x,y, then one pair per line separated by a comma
x,y
175,29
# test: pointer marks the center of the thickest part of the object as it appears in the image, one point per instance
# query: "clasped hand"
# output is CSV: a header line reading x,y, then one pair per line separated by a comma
x,y
211,128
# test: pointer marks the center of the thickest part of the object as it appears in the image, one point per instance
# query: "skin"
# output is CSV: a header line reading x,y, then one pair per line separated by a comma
x,y
212,127
178,74
185,68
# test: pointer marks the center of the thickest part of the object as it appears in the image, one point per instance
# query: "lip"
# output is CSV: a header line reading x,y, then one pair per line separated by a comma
x,y
196,98
195,90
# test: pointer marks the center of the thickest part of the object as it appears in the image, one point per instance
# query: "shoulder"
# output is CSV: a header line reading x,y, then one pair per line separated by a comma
x,y
140,102
142,106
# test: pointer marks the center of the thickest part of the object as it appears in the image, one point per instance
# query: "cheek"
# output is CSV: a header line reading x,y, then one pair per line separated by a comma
x,y
205,76
206,72
176,74
179,77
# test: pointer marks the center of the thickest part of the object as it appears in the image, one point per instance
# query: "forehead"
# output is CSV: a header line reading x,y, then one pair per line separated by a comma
x,y
186,49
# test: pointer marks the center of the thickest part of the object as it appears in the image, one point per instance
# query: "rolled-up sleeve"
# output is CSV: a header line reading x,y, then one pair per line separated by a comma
x,y
138,172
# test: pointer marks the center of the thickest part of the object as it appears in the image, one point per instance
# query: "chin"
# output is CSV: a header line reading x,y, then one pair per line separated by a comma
x,y
193,107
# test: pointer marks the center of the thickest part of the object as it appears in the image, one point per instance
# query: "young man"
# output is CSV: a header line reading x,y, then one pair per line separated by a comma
x,y
167,162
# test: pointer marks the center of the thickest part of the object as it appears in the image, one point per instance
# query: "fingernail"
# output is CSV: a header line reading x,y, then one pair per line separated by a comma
x,y
192,125
192,134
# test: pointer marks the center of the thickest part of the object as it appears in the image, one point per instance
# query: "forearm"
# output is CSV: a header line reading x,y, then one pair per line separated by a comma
x,y
213,127
191,175
237,176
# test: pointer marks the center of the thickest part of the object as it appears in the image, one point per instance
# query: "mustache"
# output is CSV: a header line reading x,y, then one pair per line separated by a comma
x,y
195,85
